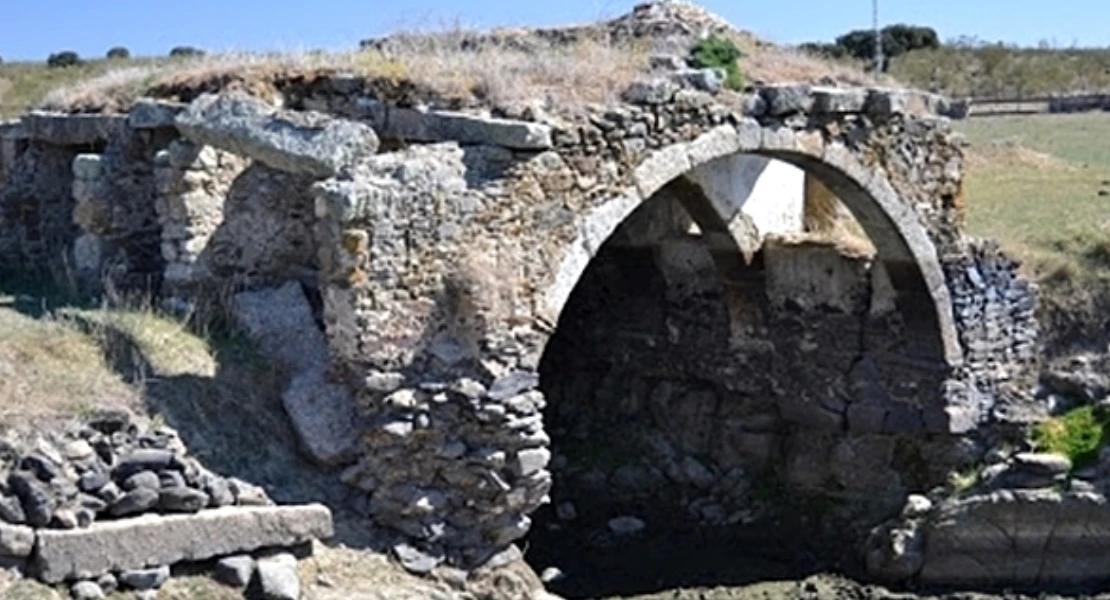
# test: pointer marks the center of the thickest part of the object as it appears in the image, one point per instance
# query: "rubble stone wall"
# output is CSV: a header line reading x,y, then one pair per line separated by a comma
x,y
446,265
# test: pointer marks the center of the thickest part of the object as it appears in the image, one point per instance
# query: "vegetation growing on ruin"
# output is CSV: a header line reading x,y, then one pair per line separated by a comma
x,y
1077,434
715,52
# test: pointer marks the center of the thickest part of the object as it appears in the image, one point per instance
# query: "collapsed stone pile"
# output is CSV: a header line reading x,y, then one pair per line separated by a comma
x,y
113,504
111,469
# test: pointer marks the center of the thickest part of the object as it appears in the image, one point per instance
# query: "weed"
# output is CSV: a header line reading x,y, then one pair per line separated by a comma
x,y
1077,434
716,52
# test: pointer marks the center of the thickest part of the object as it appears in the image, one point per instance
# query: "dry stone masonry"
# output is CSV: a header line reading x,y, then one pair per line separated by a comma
x,y
468,307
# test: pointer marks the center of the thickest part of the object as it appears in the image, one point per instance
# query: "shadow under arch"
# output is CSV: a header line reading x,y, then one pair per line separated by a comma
x,y
902,244
900,237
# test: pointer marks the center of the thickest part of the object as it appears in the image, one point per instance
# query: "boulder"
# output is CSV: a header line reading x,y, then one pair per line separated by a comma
x,y
153,540
297,142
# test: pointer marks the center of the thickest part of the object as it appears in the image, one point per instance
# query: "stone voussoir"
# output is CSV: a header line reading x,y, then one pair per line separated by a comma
x,y
151,540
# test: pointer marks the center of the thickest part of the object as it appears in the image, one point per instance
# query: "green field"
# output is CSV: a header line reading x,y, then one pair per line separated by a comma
x,y
1034,183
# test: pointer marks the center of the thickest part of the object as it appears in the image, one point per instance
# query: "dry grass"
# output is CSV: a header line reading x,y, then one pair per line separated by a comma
x,y
589,70
51,370
773,64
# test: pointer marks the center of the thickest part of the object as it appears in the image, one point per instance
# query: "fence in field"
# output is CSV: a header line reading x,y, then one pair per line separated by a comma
x,y
1061,103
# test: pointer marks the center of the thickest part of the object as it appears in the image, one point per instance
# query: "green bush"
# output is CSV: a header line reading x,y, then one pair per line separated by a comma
x,y
1077,434
118,53
65,58
716,52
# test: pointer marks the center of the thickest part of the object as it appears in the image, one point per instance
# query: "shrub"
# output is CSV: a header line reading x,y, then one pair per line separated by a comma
x,y
1077,434
716,52
119,53
186,51
65,58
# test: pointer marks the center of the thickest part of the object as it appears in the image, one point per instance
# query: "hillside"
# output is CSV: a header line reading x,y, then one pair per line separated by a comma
x,y
1040,184
993,70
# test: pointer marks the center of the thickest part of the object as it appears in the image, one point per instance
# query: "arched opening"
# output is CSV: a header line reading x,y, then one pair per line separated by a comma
x,y
736,386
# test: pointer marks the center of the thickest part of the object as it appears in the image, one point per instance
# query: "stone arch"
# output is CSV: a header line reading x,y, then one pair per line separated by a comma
x,y
899,235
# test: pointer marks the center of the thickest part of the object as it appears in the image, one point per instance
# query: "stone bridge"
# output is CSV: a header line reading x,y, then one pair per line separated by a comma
x,y
493,290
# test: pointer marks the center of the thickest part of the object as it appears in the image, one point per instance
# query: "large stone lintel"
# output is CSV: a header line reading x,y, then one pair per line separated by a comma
x,y
310,143
153,540
72,130
443,126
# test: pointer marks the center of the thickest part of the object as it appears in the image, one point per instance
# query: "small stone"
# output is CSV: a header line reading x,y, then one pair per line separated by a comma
x,y
658,91
235,571
182,499
696,473
171,479
35,499
146,459
108,583
512,384
277,578
917,506
470,389
86,590
1042,463
626,525
138,500
531,461
78,450
416,560
110,493
247,494
219,492
65,518
566,511
43,468
666,62
145,579
11,511
143,479
384,383
92,481
552,574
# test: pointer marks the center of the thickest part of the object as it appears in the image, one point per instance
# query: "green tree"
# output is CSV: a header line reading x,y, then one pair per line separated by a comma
x,y
65,58
118,53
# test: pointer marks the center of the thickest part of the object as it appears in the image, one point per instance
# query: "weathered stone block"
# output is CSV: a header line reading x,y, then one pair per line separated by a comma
x,y
153,540
839,100
72,130
309,143
16,541
149,113
787,99
443,126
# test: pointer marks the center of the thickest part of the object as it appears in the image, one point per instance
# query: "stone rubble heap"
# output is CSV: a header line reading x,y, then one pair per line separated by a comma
x,y
111,504
994,308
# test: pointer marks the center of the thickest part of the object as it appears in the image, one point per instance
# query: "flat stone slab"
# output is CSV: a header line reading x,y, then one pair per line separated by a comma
x,y
445,126
297,142
153,540
322,412
72,130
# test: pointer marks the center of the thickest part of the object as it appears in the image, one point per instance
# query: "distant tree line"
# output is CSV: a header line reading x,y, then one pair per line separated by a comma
x,y
860,43
69,58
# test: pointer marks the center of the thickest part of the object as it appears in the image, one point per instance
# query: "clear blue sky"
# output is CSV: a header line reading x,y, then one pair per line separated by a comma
x,y
31,29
